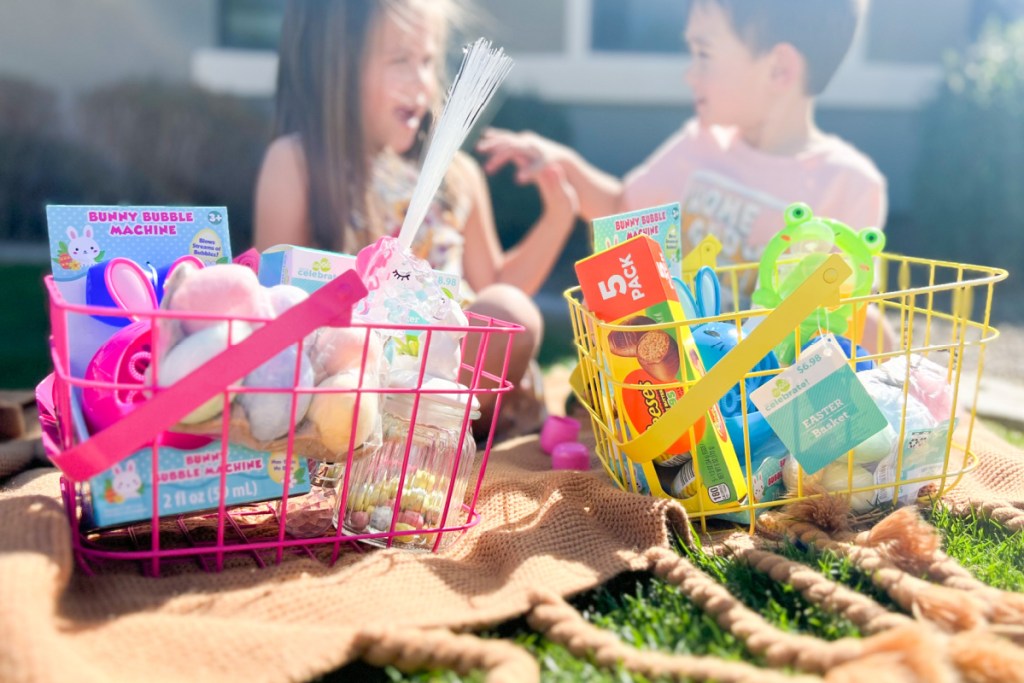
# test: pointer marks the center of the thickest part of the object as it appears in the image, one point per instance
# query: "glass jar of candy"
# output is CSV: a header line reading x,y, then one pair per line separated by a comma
x,y
440,457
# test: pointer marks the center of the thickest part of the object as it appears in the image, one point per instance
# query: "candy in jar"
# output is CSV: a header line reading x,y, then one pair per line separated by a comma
x,y
440,458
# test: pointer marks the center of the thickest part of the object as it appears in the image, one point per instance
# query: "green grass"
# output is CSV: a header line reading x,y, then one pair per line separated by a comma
x,y
24,350
985,548
1007,434
648,613
556,346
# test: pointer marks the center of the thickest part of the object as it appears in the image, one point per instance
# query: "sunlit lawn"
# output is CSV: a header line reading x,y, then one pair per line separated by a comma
x,y
650,614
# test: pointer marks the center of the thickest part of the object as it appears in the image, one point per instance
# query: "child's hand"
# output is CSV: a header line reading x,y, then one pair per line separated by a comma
x,y
559,196
529,152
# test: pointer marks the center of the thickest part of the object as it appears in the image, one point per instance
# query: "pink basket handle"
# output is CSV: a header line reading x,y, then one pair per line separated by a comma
x,y
48,415
331,305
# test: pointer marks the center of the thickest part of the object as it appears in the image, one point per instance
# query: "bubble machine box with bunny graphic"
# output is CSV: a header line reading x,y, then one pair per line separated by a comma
x,y
120,257
189,482
660,223
154,237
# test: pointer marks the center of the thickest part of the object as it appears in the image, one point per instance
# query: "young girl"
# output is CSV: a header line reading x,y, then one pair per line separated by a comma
x,y
358,87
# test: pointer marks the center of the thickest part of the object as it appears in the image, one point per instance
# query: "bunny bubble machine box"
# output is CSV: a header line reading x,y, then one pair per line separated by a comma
x,y
660,223
652,362
119,257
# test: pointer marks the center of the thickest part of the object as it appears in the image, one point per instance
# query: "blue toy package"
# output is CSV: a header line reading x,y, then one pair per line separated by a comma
x,y
83,238
660,223
189,482
100,254
307,269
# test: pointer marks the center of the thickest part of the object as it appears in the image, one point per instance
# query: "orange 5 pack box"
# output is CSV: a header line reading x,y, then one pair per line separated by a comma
x,y
628,285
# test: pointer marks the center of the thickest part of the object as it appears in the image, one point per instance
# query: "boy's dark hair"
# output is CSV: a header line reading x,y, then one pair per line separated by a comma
x,y
821,30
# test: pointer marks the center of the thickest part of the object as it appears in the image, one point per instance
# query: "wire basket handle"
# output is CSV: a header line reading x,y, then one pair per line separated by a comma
x,y
331,305
821,288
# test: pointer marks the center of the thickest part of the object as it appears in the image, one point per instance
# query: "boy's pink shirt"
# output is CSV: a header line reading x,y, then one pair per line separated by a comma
x,y
738,193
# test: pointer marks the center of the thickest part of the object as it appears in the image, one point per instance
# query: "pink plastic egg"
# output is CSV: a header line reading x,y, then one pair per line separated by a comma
x,y
121,364
340,349
122,360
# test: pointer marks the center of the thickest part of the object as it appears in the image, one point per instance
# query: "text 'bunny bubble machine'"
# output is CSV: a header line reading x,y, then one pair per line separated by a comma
x,y
119,258
151,237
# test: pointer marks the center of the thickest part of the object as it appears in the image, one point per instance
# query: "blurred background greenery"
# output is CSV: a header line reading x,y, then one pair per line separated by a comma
x,y
955,162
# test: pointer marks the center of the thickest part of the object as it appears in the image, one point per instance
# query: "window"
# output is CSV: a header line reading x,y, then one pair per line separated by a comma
x,y
250,24
522,26
639,25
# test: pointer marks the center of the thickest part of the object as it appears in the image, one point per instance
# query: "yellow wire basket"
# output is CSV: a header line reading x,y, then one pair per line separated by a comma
x,y
938,310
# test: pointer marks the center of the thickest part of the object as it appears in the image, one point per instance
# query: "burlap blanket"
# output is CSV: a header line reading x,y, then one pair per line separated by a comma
x,y
544,535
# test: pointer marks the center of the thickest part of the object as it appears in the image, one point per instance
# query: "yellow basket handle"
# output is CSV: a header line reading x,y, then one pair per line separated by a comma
x,y
821,288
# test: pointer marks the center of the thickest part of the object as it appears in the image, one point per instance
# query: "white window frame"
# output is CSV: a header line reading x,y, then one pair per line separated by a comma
x,y
580,75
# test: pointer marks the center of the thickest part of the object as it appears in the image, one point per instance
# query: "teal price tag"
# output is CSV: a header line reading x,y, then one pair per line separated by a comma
x,y
818,407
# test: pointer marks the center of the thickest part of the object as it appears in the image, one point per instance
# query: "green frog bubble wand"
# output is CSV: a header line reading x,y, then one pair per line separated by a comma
x,y
796,251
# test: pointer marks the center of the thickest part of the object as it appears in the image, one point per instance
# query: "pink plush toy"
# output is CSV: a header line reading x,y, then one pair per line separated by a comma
x,y
928,383
228,290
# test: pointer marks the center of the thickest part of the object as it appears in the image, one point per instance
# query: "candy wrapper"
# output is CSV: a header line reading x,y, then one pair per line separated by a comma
x,y
327,422
923,418
928,383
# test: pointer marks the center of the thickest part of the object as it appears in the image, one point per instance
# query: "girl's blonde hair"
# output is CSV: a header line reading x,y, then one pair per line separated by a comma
x,y
322,53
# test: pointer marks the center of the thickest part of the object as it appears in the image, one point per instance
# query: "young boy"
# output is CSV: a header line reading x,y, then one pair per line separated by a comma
x,y
757,67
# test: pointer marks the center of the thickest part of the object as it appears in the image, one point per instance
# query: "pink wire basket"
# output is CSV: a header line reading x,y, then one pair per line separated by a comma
x,y
223,534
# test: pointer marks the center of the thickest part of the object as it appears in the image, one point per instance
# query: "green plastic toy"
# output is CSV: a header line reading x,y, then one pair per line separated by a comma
x,y
796,251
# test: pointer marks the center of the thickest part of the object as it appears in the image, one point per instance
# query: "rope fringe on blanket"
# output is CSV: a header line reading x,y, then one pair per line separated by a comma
x,y
567,532
957,634
414,650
